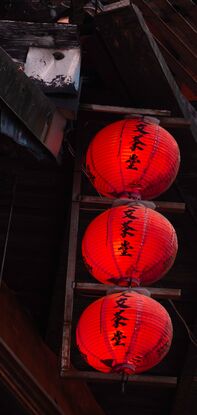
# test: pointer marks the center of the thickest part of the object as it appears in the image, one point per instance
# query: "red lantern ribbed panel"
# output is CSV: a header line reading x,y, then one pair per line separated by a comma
x,y
129,245
132,157
124,332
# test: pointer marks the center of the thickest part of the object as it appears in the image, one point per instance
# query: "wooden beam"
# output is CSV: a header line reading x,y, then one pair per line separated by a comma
x,y
188,9
96,202
124,110
180,25
141,380
94,288
174,122
16,38
186,108
181,72
168,36
71,265
164,115
174,46
35,11
120,33
30,370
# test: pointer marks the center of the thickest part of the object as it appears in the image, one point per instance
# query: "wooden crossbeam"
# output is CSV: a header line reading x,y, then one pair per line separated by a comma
x,y
16,38
164,115
96,202
141,380
124,110
174,122
101,289
29,369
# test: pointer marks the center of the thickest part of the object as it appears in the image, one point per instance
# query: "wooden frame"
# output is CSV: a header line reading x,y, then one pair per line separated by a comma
x,y
164,117
143,380
102,289
84,202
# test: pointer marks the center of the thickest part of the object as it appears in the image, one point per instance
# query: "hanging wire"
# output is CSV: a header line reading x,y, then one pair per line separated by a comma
x,y
190,334
8,231
124,381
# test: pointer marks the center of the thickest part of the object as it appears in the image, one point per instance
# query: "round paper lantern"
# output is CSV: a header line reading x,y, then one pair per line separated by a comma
x,y
129,245
132,158
124,332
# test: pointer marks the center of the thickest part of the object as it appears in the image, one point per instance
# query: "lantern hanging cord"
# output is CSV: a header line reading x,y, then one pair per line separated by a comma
x,y
124,381
73,154
190,334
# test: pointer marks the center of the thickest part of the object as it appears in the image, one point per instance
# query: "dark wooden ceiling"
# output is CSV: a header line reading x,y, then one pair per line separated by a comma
x,y
118,68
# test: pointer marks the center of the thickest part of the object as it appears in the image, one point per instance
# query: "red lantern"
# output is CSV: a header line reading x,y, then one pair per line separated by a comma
x,y
129,245
132,158
124,332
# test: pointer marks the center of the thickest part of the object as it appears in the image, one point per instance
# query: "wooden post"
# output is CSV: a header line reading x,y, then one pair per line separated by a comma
x,y
102,289
71,265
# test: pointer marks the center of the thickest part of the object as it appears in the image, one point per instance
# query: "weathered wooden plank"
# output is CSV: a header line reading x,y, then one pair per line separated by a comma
x,y
16,38
95,288
35,10
187,8
181,72
133,59
30,370
174,122
71,266
182,27
69,293
124,110
145,380
186,108
168,37
165,120
95,202
174,40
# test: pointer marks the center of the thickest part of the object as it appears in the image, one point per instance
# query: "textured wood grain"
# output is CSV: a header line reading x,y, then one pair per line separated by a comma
x,y
16,38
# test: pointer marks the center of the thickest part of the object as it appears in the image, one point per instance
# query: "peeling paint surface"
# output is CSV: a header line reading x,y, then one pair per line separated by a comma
x,y
54,69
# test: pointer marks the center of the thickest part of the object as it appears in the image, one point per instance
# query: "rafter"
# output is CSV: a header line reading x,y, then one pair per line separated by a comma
x,y
186,108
